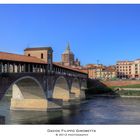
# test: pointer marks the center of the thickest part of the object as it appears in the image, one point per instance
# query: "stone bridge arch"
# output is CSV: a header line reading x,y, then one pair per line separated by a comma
x,y
75,89
27,87
27,94
61,89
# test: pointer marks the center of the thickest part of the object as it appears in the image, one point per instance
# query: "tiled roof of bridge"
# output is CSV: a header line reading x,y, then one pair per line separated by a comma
x,y
69,68
20,58
29,59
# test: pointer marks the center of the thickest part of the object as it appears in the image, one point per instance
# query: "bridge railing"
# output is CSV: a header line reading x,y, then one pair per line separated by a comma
x,y
21,67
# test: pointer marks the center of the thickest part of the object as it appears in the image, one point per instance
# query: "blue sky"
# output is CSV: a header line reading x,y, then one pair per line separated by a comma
x,y
95,32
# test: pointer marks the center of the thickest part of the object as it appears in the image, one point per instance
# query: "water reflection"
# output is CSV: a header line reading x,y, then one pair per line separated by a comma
x,y
2,119
95,111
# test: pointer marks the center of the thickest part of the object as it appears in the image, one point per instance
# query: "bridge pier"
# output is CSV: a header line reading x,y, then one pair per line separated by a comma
x,y
29,104
35,104
82,94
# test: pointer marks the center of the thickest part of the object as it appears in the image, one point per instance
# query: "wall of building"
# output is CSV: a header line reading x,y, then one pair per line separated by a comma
x,y
128,69
99,72
37,53
136,69
124,69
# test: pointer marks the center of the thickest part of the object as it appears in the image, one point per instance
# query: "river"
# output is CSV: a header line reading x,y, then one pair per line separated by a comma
x,y
99,110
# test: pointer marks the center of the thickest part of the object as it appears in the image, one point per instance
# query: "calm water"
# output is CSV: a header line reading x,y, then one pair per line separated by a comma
x,y
95,111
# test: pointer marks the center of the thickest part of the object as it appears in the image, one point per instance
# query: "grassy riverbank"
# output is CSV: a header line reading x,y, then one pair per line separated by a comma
x,y
127,92
127,86
104,92
99,88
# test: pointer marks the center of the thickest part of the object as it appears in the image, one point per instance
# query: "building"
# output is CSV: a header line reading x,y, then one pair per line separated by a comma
x,y
43,53
94,71
91,70
68,58
99,71
124,69
136,69
108,73
128,69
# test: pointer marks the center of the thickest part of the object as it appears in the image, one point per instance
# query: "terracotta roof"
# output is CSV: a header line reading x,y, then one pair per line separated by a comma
x,y
110,69
69,68
38,48
30,59
59,63
20,58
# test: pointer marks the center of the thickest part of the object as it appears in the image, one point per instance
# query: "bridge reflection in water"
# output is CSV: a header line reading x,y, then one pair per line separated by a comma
x,y
2,119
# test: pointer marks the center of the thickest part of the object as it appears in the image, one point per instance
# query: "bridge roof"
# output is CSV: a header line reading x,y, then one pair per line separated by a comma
x,y
20,58
30,59
73,69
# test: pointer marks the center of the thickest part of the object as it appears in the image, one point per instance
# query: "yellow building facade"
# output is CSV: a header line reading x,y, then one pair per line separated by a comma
x,y
128,69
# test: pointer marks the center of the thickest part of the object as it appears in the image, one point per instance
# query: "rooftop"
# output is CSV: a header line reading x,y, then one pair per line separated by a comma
x,y
38,48
69,68
20,58
29,59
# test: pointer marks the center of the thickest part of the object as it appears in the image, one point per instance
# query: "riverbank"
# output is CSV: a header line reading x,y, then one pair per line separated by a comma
x,y
120,88
122,93
114,95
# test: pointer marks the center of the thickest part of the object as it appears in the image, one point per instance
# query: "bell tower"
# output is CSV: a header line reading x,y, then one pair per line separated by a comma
x,y
68,56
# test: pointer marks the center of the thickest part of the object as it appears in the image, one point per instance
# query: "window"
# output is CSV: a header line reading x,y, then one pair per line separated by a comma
x,y
41,55
29,54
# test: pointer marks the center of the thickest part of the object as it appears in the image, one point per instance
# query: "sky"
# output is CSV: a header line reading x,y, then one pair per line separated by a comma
x,y
96,33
